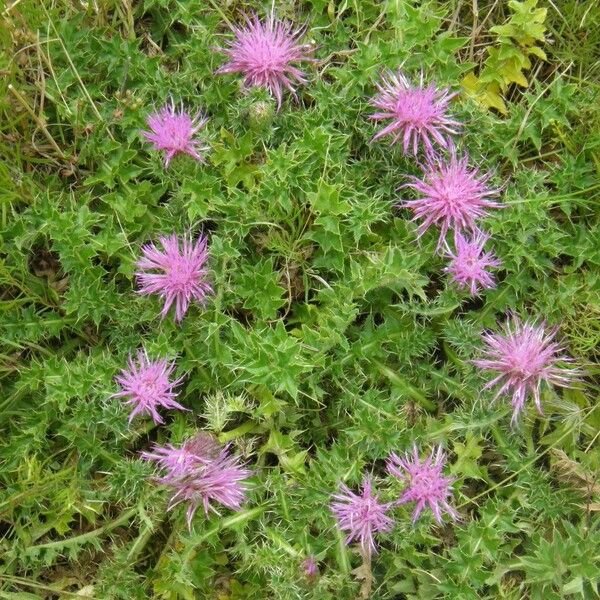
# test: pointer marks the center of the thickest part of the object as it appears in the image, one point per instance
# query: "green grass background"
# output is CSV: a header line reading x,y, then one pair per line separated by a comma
x,y
333,337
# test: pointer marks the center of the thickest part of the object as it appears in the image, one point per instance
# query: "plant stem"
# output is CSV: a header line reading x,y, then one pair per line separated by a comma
x,y
37,119
78,539
243,429
405,387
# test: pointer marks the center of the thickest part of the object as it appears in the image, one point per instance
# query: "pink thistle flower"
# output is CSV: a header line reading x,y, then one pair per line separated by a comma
x,y
425,483
310,568
147,383
202,473
173,131
361,515
264,52
453,196
179,461
418,114
469,263
181,276
525,356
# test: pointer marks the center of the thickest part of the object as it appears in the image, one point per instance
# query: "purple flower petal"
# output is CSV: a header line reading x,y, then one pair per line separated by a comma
x,y
201,473
469,263
525,356
453,196
361,515
178,275
147,385
417,114
425,484
172,132
264,52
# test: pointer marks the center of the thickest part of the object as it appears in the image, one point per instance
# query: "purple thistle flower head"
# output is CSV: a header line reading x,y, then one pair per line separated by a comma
x,y
524,356
469,263
361,515
453,196
201,473
179,461
147,385
310,568
177,273
173,132
425,484
417,114
265,53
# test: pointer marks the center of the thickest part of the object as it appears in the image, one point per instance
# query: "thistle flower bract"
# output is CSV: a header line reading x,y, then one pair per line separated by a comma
x,y
453,196
469,262
172,131
418,114
524,356
425,484
361,515
178,275
265,53
201,473
147,385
